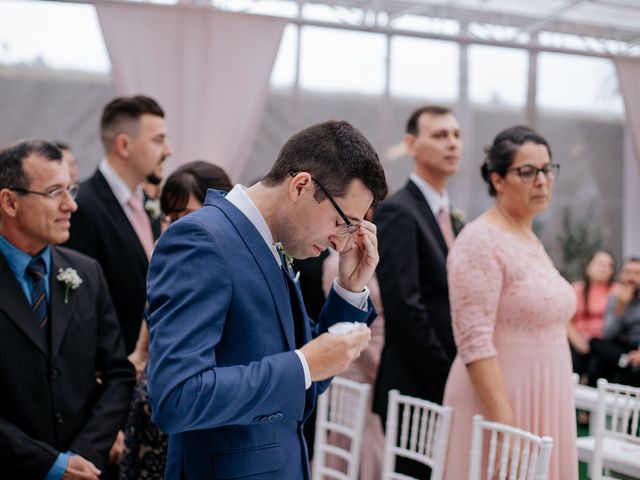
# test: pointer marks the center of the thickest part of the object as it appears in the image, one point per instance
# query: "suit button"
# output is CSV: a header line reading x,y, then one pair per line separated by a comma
x,y
279,416
58,418
258,419
54,373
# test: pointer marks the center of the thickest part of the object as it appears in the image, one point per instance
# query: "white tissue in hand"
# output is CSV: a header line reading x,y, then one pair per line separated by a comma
x,y
342,328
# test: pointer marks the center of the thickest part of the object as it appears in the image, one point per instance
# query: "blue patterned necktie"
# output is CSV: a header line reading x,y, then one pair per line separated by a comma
x,y
36,271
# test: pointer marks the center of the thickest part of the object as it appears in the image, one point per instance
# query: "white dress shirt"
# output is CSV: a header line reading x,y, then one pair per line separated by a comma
x,y
436,201
119,187
240,199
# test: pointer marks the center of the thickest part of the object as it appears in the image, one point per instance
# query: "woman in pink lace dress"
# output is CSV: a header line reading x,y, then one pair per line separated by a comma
x,y
510,308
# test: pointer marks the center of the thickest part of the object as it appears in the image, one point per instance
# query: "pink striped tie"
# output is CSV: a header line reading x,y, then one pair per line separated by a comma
x,y
446,227
141,223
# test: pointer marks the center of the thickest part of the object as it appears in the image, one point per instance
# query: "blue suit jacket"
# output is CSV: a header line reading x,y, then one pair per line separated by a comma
x,y
224,380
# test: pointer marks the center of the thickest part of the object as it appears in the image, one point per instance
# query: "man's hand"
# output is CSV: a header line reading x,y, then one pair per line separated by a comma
x,y
634,357
117,449
329,354
582,345
624,294
79,468
359,258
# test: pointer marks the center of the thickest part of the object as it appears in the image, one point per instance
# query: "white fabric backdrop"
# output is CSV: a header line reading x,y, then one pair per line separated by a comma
x,y
629,79
209,70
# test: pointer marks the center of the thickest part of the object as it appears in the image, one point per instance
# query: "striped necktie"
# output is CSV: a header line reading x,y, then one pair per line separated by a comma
x,y
36,271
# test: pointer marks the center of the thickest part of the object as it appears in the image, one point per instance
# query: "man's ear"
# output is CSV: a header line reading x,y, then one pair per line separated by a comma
x,y
8,203
122,145
298,184
409,140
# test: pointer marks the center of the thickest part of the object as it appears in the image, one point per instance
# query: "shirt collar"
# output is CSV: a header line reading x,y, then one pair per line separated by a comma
x,y
434,199
19,260
118,186
240,199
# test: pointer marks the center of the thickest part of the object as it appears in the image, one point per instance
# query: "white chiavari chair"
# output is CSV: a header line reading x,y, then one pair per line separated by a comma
x,y
418,430
615,445
513,454
341,410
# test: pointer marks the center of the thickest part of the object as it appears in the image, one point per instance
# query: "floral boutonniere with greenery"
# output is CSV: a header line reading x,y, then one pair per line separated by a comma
x,y
288,262
458,215
153,208
71,280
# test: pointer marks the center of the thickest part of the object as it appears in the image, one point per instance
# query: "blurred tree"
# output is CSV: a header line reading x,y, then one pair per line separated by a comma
x,y
580,237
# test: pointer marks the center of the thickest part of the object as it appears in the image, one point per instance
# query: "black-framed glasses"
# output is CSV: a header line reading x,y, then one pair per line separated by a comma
x,y
349,227
529,172
55,194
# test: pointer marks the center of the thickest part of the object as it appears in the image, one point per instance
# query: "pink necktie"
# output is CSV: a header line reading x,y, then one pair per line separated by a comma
x,y
444,220
141,223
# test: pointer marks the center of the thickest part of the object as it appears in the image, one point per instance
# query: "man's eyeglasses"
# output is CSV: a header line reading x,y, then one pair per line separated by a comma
x,y
528,172
55,194
349,227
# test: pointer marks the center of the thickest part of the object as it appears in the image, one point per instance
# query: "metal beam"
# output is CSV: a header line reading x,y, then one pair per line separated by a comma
x,y
461,38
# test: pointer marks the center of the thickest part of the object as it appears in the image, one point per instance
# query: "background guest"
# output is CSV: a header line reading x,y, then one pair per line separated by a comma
x,y
618,352
510,308
70,158
58,329
145,445
415,231
592,294
111,224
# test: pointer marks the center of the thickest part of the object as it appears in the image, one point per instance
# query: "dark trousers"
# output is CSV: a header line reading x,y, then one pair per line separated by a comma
x,y
607,355
580,361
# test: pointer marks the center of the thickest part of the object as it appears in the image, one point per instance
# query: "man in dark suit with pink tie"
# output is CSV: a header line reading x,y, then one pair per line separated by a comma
x,y
415,231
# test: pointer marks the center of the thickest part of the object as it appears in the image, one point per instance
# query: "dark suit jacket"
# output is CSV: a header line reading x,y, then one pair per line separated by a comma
x,y
50,401
101,229
419,346
224,380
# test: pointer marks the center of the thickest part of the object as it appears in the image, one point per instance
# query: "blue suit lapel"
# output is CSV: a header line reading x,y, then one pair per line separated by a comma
x,y
264,258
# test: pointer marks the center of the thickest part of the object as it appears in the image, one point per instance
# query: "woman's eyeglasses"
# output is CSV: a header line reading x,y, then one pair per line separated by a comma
x,y
528,172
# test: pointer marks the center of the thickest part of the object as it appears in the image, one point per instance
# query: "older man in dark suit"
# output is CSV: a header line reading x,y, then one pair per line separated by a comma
x,y
111,224
415,231
64,377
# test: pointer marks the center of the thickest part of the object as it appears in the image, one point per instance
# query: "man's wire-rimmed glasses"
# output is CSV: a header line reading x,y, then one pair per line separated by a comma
x,y
349,227
55,194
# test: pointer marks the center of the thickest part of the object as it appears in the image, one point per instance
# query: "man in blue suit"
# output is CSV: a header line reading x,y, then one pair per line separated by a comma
x,y
235,364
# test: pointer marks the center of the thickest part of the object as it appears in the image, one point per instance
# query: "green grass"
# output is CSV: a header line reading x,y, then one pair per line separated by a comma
x,y
583,431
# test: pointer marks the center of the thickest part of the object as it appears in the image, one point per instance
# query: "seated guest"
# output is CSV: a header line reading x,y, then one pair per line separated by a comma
x,y
592,293
145,445
618,352
65,380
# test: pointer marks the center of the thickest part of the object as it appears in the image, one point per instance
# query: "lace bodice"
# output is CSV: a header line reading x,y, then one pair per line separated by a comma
x,y
504,290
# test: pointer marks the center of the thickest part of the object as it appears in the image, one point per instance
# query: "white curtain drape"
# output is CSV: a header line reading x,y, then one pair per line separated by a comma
x,y
629,79
209,70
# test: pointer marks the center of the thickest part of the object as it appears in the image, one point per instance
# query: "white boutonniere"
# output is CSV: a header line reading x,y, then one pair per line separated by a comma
x,y
153,208
71,280
458,215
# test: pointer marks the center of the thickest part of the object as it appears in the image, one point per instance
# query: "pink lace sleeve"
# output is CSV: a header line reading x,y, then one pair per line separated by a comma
x,y
475,283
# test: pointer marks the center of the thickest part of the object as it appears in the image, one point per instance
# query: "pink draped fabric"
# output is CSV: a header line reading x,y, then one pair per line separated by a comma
x,y
629,78
209,70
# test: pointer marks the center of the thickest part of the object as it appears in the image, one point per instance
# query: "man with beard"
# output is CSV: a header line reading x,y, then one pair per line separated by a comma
x,y
111,224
